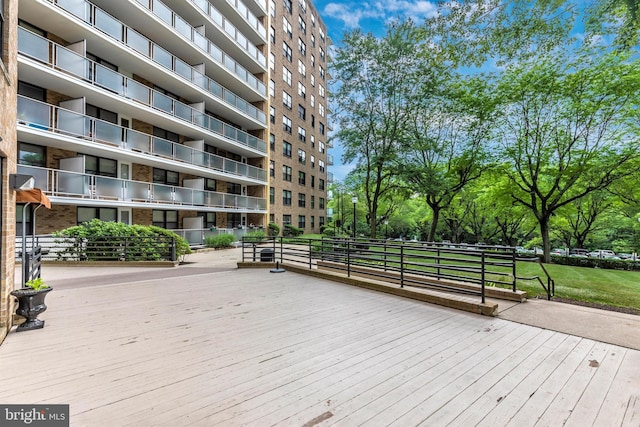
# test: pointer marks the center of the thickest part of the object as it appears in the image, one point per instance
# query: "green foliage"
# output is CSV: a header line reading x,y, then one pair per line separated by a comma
x,y
291,231
110,241
37,284
274,229
219,241
256,235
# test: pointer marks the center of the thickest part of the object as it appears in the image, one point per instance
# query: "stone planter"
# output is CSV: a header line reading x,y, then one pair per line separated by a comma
x,y
30,305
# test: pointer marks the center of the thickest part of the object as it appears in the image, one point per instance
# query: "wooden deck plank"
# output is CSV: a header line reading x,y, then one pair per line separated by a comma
x,y
253,348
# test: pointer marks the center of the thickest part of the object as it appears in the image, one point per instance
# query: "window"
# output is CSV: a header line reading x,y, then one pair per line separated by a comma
x,y
303,5
313,80
321,203
321,110
321,223
286,27
272,168
302,69
165,219
321,165
234,188
321,128
286,51
313,122
321,32
302,156
313,40
322,58
288,5
161,176
165,134
321,90
313,141
272,88
272,35
208,219
286,100
286,149
313,222
234,220
28,223
321,184
86,214
302,200
272,195
313,181
272,61
301,221
286,75
286,197
286,124
302,91
313,20
313,161
321,147
302,112
286,219
100,166
286,173
302,134
272,142
302,178
302,47
210,184
272,114
302,25
313,202
321,72
272,8
32,155
31,91
313,60
313,101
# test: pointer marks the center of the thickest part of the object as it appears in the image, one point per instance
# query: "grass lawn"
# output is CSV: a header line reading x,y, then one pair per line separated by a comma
x,y
596,285
591,285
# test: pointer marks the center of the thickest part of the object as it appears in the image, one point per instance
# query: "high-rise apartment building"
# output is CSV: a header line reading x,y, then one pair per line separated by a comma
x,y
185,114
298,115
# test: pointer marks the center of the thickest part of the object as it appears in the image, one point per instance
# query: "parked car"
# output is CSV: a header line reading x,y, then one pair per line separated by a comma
x,y
559,251
579,252
601,253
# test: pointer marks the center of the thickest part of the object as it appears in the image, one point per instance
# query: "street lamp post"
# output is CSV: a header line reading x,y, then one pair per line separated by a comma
x,y
354,199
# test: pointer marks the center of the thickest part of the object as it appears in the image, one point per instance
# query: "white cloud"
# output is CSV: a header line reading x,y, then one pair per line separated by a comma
x,y
352,13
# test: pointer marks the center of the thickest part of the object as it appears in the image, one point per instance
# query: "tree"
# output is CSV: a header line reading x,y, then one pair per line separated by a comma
x,y
375,81
445,149
569,128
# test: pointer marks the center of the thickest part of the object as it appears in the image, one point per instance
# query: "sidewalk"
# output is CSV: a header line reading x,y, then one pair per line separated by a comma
x,y
600,325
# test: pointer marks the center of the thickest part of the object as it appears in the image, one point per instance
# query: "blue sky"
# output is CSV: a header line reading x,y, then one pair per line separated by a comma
x,y
369,16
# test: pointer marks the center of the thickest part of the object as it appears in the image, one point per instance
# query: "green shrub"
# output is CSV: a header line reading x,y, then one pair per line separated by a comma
x,y
109,241
274,229
256,235
219,241
290,230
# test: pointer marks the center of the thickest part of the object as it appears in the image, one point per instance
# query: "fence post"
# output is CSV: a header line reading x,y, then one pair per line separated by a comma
x,y
482,277
402,265
513,252
438,261
348,258
310,254
385,256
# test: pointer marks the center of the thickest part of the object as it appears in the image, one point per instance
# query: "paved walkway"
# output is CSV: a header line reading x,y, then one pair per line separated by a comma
x,y
207,344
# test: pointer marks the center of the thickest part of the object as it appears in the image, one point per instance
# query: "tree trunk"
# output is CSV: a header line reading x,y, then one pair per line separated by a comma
x,y
546,244
434,224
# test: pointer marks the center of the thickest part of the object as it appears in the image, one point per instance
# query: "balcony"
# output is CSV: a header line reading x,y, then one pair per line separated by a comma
x,y
87,131
66,187
59,59
330,177
329,160
92,16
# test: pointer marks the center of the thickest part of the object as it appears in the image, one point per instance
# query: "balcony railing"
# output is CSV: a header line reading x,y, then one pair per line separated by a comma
x,y
329,160
244,11
59,120
60,183
230,29
101,20
63,59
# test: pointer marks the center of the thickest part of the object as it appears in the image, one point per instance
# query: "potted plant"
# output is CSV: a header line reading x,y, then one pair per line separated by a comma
x,y
31,303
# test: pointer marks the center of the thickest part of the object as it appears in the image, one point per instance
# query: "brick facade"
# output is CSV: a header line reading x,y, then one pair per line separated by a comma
x,y
8,146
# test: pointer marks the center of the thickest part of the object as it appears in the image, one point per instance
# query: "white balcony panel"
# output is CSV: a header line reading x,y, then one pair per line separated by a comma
x,y
38,73
74,131
107,40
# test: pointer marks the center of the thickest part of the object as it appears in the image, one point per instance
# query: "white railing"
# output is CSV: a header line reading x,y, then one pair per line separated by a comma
x,y
63,59
47,117
60,183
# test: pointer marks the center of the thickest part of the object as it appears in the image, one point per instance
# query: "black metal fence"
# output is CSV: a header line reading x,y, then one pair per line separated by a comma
x,y
408,263
104,248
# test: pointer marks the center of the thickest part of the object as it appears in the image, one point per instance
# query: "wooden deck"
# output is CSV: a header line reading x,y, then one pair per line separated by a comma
x,y
249,347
